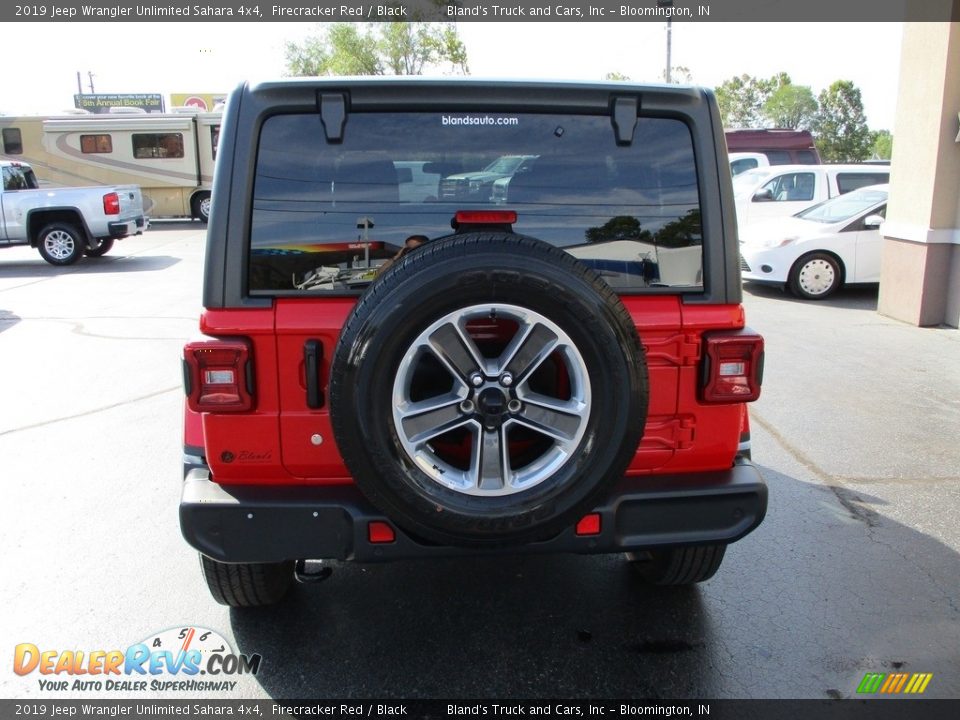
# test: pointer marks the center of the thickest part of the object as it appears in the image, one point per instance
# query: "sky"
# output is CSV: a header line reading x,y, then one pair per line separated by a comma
x,y
190,57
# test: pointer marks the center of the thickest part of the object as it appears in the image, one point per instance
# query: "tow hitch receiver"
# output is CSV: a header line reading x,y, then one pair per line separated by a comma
x,y
313,577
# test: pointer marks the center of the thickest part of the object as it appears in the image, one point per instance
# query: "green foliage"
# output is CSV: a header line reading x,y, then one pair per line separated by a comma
x,y
791,106
388,48
840,126
682,232
742,99
621,227
679,75
616,76
882,145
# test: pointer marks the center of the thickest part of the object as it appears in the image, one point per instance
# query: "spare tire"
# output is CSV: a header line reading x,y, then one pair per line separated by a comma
x,y
487,389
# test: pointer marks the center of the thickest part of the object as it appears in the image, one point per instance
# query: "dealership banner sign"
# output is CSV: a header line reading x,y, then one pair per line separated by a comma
x,y
101,103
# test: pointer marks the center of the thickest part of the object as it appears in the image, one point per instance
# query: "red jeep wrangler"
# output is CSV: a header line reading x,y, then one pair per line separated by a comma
x,y
562,365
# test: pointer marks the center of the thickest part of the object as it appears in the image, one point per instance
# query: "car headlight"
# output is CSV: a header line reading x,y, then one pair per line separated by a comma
x,y
766,243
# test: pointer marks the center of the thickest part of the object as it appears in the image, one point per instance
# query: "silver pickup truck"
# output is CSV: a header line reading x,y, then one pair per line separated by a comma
x,y
65,223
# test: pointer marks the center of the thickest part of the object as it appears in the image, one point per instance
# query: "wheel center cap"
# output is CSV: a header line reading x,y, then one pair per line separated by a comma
x,y
492,404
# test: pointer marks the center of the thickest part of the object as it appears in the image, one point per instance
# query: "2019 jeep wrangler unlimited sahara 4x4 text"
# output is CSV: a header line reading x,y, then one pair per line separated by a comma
x,y
563,368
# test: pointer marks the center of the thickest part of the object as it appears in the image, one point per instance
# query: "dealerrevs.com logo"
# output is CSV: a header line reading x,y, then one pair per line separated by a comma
x,y
187,659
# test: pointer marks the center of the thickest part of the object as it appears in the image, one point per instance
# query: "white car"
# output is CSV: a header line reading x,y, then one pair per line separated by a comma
x,y
814,252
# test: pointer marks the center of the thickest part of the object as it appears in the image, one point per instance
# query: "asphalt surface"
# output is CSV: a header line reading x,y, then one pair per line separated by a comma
x,y
855,569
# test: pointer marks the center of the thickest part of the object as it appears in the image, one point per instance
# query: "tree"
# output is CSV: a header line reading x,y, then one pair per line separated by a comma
x,y
616,76
742,99
791,106
679,75
882,145
840,126
397,48
621,227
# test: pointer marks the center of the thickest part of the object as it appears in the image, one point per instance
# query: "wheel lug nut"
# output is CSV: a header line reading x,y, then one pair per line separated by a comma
x,y
467,407
514,406
476,379
506,379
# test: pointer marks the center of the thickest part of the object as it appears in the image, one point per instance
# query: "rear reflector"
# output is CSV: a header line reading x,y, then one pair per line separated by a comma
x,y
733,366
485,217
589,525
111,204
380,533
216,376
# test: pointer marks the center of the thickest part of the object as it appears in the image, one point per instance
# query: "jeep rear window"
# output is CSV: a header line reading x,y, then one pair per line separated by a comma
x,y
325,215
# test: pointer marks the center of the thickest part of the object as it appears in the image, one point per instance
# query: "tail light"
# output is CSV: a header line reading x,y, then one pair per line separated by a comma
x,y
218,376
111,204
732,367
485,217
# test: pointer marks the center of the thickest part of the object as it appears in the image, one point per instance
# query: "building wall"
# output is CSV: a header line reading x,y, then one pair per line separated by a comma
x,y
920,273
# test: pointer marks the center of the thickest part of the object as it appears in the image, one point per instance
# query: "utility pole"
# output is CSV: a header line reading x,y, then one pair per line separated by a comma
x,y
90,76
668,4
79,84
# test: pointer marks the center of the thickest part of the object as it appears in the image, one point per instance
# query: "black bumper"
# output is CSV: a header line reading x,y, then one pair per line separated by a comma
x,y
267,524
126,228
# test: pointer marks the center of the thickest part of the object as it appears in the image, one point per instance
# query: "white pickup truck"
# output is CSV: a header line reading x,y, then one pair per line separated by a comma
x,y
781,190
66,223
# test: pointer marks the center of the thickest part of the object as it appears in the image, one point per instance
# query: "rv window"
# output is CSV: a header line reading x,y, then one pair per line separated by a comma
x,y
157,145
214,139
96,144
12,142
778,157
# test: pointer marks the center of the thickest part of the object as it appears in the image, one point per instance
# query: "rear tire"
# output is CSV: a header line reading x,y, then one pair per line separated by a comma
x,y
678,566
100,247
247,584
201,207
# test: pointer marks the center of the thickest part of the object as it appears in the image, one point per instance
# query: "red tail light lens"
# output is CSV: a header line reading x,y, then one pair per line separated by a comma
x,y
733,367
217,376
380,533
111,204
485,217
588,525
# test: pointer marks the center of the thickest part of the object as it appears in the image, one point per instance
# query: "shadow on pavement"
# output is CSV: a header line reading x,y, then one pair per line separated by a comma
x,y
826,590
39,268
862,297
8,320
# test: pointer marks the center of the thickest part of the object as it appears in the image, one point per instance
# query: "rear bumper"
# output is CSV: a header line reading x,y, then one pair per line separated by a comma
x,y
124,228
269,524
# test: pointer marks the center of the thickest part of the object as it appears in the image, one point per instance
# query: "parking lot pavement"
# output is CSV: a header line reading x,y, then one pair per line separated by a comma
x,y
853,571
867,405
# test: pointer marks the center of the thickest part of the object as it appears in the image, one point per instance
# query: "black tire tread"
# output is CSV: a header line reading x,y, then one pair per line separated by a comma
x,y
681,565
104,248
415,267
247,584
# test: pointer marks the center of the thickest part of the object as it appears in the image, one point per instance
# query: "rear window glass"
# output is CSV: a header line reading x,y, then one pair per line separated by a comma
x,y
325,216
846,182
